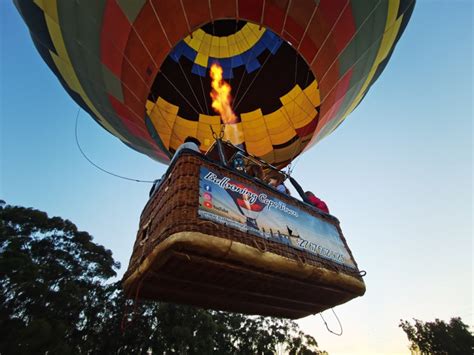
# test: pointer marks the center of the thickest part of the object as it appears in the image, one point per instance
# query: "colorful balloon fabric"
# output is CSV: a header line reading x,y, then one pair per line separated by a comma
x,y
141,68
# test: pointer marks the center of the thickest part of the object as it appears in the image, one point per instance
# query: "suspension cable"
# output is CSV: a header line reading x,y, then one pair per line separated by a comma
x,y
327,327
94,164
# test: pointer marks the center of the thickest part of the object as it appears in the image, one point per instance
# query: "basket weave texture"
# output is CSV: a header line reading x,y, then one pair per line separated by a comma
x,y
196,277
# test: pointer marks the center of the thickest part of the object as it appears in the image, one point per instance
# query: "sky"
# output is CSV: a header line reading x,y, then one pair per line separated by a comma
x,y
397,174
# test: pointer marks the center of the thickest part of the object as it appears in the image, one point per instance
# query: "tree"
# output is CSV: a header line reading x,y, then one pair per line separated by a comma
x,y
439,337
52,283
57,297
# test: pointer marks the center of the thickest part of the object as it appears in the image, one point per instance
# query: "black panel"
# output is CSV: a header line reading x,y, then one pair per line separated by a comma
x,y
222,28
34,18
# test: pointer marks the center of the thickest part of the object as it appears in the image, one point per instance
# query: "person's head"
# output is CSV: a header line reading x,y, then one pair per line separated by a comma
x,y
238,163
274,179
309,194
194,140
255,171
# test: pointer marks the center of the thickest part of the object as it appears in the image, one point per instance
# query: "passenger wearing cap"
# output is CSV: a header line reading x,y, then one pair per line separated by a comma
x,y
275,180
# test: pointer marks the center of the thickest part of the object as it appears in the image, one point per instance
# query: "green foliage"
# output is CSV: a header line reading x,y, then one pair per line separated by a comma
x,y
56,297
439,337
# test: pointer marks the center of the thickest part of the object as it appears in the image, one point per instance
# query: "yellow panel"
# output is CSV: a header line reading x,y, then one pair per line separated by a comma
x,y
253,134
305,104
251,38
201,59
312,92
282,137
284,133
279,129
223,47
206,119
199,33
233,50
49,7
214,52
259,148
231,40
275,120
188,125
182,129
195,43
252,115
206,38
205,136
166,106
241,44
291,95
297,116
238,37
205,48
163,122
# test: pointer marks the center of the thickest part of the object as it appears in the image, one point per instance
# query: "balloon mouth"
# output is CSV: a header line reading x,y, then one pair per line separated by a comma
x,y
271,90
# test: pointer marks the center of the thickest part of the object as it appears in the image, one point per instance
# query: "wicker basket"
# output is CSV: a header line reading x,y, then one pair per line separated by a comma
x,y
179,257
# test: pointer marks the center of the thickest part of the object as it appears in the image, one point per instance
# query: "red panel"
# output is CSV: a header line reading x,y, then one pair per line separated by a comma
x,y
251,10
129,120
325,57
172,18
197,12
321,31
330,104
308,49
344,30
113,37
299,15
331,9
274,15
223,9
308,129
157,48
294,30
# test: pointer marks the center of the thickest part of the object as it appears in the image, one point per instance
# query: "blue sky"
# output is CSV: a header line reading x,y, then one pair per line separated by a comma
x,y
397,173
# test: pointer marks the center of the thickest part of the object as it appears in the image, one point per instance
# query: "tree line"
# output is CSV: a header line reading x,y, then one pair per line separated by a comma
x,y
57,297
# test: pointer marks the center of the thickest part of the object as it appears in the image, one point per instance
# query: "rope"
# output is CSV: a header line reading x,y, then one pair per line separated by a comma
x,y
94,164
190,86
327,327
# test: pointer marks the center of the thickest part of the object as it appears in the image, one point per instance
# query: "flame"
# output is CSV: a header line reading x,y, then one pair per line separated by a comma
x,y
221,103
220,94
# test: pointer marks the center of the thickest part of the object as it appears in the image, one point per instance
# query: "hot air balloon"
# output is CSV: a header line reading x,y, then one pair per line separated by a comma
x,y
297,68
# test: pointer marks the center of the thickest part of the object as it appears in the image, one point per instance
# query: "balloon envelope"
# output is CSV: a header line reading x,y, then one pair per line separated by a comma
x,y
141,68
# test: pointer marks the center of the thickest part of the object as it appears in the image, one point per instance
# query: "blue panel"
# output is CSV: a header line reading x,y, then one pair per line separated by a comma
x,y
198,70
268,39
227,73
246,56
237,61
211,61
252,65
259,48
276,46
189,53
178,51
225,62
